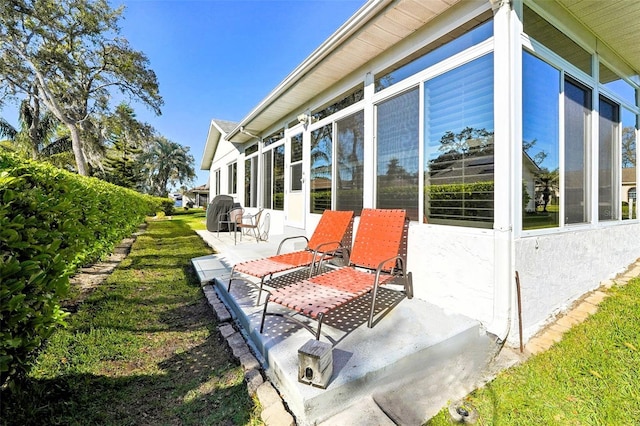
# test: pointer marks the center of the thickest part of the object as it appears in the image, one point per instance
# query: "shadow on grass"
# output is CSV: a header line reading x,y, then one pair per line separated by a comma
x,y
198,386
156,356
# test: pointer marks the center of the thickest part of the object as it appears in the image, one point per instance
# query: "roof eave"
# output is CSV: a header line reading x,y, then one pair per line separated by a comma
x,y
357,21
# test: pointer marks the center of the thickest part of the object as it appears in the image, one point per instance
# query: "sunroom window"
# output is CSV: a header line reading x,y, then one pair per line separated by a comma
x,y
459,151
232,178
349,162
296,162
251,181
273,178
321,168
543,32
397,164
608,159
216,175
629,162
577,137
540,144
435,52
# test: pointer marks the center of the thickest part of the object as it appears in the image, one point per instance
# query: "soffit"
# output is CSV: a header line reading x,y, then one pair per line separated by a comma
x,y
614,22
387,24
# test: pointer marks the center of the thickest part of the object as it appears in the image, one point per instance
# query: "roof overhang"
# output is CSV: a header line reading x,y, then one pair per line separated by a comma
x,y
380,24
373,29
218,129
614,23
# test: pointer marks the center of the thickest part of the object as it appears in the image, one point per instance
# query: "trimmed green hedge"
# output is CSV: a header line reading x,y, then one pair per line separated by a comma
x,y
51,222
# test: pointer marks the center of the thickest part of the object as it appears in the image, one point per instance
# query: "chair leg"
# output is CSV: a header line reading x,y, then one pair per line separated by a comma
x,y
374,295
320,318
230,278
260,291
264,313
408,286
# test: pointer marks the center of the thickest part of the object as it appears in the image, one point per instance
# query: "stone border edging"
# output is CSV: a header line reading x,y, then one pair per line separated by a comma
x,y
87,278
273,412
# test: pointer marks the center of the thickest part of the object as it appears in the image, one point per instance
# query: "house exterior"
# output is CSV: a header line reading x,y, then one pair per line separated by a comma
x,y
196,197
506,128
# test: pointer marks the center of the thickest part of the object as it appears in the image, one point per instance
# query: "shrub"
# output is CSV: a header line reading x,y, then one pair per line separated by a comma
x,y
51,222
166,205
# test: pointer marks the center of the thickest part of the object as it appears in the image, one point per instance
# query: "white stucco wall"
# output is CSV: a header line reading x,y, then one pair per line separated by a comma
x,y
453,267
557,269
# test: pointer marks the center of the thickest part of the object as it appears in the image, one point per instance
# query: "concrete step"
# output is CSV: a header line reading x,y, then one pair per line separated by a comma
x,y
363,412
415,358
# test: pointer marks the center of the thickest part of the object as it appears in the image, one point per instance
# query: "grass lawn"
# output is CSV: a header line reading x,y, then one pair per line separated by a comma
x,y
589,378
142,349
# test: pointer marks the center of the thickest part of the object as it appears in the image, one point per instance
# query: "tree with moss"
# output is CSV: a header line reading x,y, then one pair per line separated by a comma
x,y
68,55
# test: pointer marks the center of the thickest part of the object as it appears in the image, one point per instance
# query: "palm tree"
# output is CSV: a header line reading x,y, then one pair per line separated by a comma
x,y
166,163
39,136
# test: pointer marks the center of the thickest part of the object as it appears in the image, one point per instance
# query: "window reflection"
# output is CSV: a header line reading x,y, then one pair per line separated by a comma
x,y
432,54
251,182
321,163
397,135
349,167
540,144
629,158
607,143
296,162
459,151
577,112
548,35
617,85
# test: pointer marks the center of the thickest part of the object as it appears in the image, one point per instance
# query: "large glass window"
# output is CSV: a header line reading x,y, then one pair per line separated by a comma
x,y
273,178
459,151
607,159
577,136
354,96
251,182
540,144
267,179
545,33
350,157
397,136
434,53
617,85
232,178
278,178
629,156
321,168
296,162
217,179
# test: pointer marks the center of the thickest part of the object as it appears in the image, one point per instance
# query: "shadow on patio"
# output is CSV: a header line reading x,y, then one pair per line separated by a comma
x,y
415,359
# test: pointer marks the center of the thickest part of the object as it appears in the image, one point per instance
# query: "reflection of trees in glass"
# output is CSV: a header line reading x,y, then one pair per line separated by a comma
x,y
546,182
356,96
278,178
628,147
460,180
349,158
320,179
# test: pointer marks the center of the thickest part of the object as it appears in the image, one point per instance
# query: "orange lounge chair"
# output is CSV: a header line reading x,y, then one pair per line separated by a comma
x,y
334,232
379,255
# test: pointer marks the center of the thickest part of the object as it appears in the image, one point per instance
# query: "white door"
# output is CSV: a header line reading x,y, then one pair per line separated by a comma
x,y
295,211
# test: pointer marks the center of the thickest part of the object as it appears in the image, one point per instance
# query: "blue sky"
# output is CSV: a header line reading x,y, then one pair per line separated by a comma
x,y
220,58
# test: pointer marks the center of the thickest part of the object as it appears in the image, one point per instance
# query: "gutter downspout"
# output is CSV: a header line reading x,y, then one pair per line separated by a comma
x,y
506,51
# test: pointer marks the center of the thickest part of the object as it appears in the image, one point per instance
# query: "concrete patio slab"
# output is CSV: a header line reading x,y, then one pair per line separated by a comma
x,y
415,359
